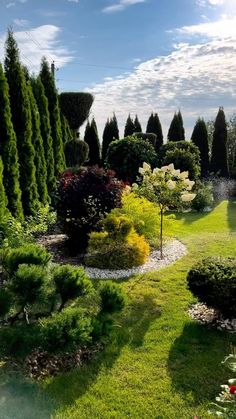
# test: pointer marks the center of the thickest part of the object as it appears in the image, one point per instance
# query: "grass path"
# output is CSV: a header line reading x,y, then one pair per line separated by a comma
x,y
160,364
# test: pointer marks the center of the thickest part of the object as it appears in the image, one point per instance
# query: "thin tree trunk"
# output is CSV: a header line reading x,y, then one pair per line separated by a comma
x,y
161,234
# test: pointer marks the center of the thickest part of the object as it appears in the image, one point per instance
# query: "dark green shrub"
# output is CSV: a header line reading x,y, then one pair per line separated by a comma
x,y
31,254
5,302
19,340
204,197
76,153
128,155
112,297
71,327
27,284
213,282
149,136
75,106
71,282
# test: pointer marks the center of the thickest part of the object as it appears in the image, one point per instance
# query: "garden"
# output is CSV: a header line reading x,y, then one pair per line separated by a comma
x,y
117,264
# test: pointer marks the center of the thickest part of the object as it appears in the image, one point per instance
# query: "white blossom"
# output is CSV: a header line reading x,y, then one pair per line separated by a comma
x,y
188,197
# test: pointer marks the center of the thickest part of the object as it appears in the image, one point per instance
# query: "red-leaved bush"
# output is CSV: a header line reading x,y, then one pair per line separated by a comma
x,y
83,198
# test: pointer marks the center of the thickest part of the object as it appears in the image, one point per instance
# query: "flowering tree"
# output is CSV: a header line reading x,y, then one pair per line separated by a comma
x,y
167,187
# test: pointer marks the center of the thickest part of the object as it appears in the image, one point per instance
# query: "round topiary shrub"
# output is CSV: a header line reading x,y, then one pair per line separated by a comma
x,y
127,156
213,282
112,297
76,153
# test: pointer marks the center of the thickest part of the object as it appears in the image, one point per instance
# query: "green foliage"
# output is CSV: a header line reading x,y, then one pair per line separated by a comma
x,y
200,139
31,254
45,129
67,134
219,158
21,118
12,232
5,302
137,125
92,139
39,157
213,282
176,130
3,197
9,152
154,126
41,223
149,136
184,155
70,328
71,282
76,106
204,197
110,133
129,127
54,111
112,296
76,153
127,155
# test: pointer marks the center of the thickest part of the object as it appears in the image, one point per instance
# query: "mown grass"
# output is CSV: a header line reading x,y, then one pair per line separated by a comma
x,y
160,364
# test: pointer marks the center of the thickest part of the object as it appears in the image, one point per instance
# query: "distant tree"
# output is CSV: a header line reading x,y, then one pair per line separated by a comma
x,y
9,152
137,125
129,127
114,127
39,157
176,130
154,126
54,111
110,133
231,145
181,123
21,117
150,124
219,161
45,128
200,139
91,138
3,197
76,153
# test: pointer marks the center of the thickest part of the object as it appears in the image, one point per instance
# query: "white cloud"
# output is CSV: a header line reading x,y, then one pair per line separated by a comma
x,y
20,22
74,1
11,4
223,28
121,5
38,42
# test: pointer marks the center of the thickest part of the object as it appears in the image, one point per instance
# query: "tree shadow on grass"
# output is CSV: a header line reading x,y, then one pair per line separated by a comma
x,y
231,215
195,361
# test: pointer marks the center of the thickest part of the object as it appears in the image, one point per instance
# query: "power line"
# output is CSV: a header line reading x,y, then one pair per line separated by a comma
x,y
38,44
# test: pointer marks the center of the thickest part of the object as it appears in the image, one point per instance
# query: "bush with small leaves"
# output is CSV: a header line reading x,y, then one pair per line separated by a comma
x,y
67,329
112,296
204,196
213,282
31,254
76,153
71,282
149,136
5,302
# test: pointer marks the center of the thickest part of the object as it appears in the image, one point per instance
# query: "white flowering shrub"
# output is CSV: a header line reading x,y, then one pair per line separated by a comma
x,y
167,187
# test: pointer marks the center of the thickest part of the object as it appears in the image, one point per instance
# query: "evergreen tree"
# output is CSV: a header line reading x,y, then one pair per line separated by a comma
x,y
200,139
114,128
21,117
150,124
91,138
219,161
181,124
9,152
45,128
175,132
3,197
129,127
154,126
54,111
137,125
39,157
65,129
106,139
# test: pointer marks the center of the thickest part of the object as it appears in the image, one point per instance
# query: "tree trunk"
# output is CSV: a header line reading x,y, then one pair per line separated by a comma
x,y
161,234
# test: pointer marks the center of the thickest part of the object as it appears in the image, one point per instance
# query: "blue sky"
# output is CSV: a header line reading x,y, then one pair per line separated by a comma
x,y
135,56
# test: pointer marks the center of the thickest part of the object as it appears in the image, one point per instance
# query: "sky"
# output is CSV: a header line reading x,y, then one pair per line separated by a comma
x,y
134,56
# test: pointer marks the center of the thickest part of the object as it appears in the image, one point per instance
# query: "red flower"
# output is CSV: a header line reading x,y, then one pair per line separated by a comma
x,y
232,389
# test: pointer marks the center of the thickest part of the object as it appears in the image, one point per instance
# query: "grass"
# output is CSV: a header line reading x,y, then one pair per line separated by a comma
x,y
160,364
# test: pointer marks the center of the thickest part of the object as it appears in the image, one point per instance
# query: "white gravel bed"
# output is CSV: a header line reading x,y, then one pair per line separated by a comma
x,y
173,251
210,317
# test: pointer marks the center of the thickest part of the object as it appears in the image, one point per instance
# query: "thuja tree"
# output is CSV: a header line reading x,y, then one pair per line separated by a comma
x,y
110,133
21,117
45,128
181,124
3,197
54,112
129,127
200,139
39,157
9,152
154,126
67,134
91,138
219,161
137,124
176,130
166,187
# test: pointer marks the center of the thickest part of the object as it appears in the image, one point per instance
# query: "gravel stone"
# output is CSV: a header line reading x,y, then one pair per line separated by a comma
x,y
211,317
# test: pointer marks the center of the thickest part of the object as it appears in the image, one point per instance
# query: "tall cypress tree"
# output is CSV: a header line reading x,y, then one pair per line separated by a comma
x,y
200,139
106,139
39,157
3,197
175,132
154,126
54,111
67,134
45,128
181,124
219,161
150,124
129,127
114,130
9,152
137,125
21,117
91,138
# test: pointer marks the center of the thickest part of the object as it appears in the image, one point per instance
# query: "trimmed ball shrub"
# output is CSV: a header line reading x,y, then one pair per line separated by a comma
x,y
112,296
76,153
5,302
127,156
31,254
83,198
71,282
213,282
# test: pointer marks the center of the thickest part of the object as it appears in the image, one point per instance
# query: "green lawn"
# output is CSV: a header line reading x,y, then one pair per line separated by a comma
x,y
160,364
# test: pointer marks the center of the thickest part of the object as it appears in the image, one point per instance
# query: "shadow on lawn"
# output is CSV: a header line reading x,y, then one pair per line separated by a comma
x,y
231,214
195,361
